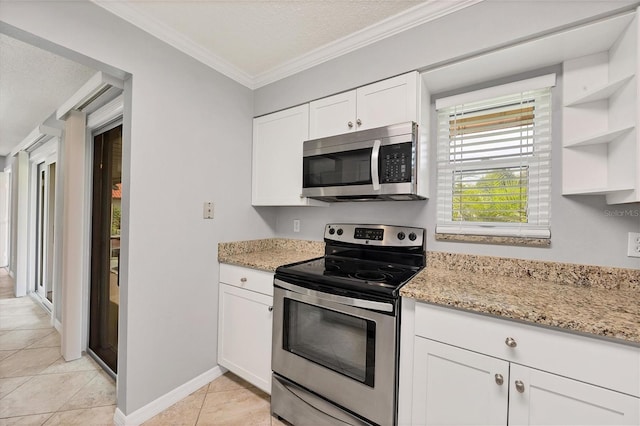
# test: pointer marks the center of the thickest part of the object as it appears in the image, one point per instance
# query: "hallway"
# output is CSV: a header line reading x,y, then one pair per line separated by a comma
x,y
36,385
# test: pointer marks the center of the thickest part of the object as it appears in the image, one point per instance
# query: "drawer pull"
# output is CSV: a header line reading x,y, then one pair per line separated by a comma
x,y
270,308
499,379
519,386
243,280
359,122
510,342
350,124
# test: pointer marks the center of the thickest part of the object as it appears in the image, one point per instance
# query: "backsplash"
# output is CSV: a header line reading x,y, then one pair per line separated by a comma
x,y
563,273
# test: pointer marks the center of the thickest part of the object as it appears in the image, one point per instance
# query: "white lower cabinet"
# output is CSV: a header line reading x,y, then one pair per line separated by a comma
x,y
452,386
549,399
244,324
462,374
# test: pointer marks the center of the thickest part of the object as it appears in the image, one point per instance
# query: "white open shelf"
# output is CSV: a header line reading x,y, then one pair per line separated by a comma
x,y
599,138
600,93
600,121
596,191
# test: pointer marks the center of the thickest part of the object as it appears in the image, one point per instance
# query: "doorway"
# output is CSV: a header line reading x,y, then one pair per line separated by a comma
x,y
104,295
45,223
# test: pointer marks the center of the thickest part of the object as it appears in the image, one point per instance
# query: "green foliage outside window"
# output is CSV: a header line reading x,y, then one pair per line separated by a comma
x,y
496,196
115,220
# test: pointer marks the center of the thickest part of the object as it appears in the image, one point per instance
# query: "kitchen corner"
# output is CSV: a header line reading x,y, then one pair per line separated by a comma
x,y
599,301
268,254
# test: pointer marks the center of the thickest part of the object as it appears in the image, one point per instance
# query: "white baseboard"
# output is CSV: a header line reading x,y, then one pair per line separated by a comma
x,y
57,325
143,414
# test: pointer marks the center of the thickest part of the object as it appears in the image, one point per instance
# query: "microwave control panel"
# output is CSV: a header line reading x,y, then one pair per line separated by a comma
x,y
395,163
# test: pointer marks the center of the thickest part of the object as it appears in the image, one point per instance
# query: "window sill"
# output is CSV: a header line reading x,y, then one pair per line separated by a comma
x,y
487,239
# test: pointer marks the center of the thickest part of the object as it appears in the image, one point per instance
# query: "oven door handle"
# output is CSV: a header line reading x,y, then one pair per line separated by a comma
x,y
343,300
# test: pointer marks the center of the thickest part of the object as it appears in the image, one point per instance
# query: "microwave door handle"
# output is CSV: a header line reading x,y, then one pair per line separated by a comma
x,y
375,153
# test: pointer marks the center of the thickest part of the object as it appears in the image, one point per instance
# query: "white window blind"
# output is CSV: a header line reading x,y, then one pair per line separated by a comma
x,y
493,162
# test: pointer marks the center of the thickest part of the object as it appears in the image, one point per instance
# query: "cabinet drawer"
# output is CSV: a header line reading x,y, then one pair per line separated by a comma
x,y
247,278
610,365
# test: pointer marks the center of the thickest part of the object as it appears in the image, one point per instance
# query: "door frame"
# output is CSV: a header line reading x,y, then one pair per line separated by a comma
x,y
103,119
45,154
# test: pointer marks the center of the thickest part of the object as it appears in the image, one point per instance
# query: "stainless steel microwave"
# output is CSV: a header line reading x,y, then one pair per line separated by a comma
x,y
385,163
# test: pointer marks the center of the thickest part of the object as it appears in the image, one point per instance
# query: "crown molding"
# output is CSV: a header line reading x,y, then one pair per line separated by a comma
x,y
391,26
132,14
412,17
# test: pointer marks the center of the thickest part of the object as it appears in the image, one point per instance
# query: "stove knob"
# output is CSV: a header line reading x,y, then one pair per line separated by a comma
x,y
332,231
412,236
401,236
340,231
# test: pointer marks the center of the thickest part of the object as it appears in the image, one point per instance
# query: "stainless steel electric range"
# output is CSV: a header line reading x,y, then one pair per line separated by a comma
x,y
336,327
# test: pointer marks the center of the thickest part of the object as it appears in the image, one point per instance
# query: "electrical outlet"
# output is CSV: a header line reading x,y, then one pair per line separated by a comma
x,y
207,210
296,225
633,249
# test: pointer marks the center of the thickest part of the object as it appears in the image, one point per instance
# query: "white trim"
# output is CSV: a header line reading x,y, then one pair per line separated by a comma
x,y
57,325
410,18
494,231
160,404
535,83
39,135
417,15
105,114
132,14
94,86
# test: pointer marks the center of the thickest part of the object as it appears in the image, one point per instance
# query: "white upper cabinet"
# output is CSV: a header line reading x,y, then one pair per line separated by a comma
x,y
386,102
277,158
333,115
601,114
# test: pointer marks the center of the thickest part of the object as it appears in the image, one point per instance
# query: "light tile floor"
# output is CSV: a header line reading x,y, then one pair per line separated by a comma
x,y
37,387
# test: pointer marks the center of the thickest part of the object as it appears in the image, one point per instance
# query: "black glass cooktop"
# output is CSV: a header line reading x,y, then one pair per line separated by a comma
x,y
361,276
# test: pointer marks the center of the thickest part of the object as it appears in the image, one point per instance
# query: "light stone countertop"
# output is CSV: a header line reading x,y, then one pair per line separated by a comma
x,y
268,254
600,301
613,313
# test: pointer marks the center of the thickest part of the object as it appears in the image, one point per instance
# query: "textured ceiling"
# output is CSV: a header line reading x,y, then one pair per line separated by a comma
x,y
257,42
253,41
33,84
257,36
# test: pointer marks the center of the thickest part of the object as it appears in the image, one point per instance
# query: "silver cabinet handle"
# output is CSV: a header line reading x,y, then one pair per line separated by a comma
x,y
350,124
359,122
519,386
270,308
243,280
499,379
510,342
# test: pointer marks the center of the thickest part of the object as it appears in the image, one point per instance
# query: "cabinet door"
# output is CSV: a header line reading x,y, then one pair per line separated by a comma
x,y
452,386
277,157
244,334
333,115
548,399
386,102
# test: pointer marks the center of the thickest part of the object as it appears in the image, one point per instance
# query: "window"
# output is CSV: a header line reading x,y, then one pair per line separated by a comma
x,y
494,160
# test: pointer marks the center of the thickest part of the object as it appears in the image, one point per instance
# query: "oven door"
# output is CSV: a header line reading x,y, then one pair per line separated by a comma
x,y
340,348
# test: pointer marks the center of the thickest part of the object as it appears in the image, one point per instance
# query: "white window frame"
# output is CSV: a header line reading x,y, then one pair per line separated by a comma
x,y
445,224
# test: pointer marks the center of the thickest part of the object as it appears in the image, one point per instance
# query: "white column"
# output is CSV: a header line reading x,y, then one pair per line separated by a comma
x,y
4,219
21,229
73,233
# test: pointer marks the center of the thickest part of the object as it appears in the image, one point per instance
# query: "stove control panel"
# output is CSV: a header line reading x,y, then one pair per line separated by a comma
x,y
375,235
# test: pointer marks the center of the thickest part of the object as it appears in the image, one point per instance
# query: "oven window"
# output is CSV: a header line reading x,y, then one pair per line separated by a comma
x,y
341,342
338,169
